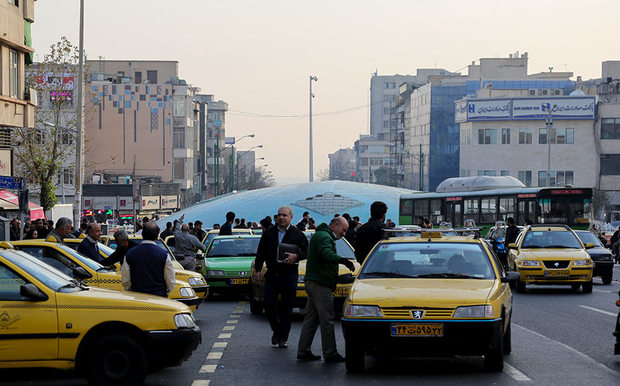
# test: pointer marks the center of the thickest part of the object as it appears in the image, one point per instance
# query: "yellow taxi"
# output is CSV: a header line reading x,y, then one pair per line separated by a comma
x,y
82,268
551,254
430,295
346,277
111,337
195,279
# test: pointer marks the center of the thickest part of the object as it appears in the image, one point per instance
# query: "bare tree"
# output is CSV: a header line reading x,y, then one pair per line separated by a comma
x,y
340,167
323,174
251,179
40,151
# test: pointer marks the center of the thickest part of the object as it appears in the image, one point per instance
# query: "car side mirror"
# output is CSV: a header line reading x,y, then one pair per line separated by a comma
x,y
81,274
511,277
512,245
589,245
31,292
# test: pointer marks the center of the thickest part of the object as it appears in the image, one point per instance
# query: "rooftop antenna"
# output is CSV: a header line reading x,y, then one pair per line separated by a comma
x,y
550,69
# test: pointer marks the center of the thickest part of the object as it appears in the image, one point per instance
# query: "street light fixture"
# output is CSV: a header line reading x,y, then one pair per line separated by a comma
x,y
549,122
217,158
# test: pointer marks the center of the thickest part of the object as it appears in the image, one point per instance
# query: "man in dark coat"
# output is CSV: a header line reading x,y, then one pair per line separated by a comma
x,y
89,247
369,234
226,229
281,277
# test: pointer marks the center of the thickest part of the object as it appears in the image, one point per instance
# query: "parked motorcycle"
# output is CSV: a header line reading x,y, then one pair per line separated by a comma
x,y
499,247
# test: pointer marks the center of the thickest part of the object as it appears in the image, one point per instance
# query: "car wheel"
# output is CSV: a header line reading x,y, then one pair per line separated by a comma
x,y
575,286
354,357
494,358
256,306
520,287
587,287
607,278
116,360
508,339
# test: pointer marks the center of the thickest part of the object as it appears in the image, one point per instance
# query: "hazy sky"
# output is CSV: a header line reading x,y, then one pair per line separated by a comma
x,y
258,55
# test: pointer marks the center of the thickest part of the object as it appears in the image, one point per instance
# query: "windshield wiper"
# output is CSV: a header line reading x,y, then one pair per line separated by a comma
x,y
220,255
70,285
247,254
559,246
530,246
386,274
449,275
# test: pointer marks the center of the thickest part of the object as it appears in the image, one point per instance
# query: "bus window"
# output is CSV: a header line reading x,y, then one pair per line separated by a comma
x,y
554,211
420,208
488,207
507,208
436,212
471,209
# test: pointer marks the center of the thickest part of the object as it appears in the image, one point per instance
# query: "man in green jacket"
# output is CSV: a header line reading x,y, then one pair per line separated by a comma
x,y
321,279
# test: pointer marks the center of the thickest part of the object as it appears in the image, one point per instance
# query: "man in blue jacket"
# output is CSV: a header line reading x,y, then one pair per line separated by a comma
x,y
321,280
89,246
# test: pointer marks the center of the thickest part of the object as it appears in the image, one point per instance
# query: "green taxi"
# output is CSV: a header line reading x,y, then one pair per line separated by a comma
x,y
430,295
550,254
49,320
227,262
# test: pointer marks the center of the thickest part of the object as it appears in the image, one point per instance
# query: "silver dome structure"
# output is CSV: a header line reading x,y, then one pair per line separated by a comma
x,y
321,199
466,184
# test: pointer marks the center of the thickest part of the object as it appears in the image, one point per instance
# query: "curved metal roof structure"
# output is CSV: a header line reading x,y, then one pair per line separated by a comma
x,y
464,184
321,199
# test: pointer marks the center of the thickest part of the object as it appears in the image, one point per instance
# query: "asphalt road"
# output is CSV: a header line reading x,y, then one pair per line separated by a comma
x,y
560,337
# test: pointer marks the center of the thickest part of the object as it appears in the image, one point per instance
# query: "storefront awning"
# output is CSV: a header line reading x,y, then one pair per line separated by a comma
x,y
10,201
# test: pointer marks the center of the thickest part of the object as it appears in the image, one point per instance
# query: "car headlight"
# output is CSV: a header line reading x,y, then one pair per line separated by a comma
x,y
530,263
580,262
215,273
354,311
474,312
184,321
300,278
196,281
187,292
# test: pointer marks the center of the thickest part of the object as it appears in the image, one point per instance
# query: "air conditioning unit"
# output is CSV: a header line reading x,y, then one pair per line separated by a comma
x,y
533,92
545,92
558,91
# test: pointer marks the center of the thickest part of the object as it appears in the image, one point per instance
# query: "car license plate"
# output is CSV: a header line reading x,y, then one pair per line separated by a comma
x,y
435,329
341,291
239,281
556,273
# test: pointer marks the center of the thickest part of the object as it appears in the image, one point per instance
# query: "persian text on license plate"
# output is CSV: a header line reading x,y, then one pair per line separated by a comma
x,y
239,281
556,273
417,329
341,291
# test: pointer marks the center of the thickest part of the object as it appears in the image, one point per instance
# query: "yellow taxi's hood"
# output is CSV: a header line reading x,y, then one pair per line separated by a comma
x,y
421,292
122,300
555,254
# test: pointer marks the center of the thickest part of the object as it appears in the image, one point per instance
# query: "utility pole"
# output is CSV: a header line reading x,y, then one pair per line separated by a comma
x,y
312,78
77,210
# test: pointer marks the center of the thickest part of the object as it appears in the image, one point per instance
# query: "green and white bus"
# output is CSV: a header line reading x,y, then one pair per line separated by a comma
x,y
485,202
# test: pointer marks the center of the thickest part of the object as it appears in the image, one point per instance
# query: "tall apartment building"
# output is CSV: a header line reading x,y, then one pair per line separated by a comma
x,y
216,149
17,103
342,165
143,121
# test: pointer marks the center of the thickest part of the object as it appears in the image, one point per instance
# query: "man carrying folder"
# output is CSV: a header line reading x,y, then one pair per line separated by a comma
x,y
281,275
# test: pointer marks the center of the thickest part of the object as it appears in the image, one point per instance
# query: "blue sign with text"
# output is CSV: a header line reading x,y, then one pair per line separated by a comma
x,y
11,182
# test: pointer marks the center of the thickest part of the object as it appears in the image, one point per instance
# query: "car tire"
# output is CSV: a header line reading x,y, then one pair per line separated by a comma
x,y
256,306
587,287
508,339
520,287
494,358
607,278
116,360
575,286
355,360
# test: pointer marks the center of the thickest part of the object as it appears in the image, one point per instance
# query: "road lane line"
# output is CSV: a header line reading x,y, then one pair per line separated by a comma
x,y
224,336
235,316
228,328
515,374
610,371
201,382
207,369
214,355
220,344
601,311
237,311
232,321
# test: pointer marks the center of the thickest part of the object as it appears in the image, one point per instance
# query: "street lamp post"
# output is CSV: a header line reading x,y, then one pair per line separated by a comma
x,y
77,213
217,159
312,78
549,122
244,172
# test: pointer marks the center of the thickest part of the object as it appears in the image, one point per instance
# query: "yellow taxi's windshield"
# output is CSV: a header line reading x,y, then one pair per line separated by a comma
x,y
428,260
550,239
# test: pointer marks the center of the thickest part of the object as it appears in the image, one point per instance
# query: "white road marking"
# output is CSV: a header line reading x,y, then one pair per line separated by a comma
x,y
597,310
220,344
235,316
610,371
239,306
243,302
237,311
232,321
228,328
515,374
201,382
207,369
224,336
214,355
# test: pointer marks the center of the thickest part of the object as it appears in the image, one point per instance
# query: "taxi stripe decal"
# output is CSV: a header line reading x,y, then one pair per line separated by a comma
x,y
90,307
39,336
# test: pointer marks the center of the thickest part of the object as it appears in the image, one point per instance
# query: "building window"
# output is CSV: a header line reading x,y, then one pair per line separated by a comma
x,y
14,74
178,107
525,136
487,173
610,128
487,136
386,85
386,110
138,77
178,138
151,76
565,136
505,136
386,124
14,2
525,176
505,173
65,176
393,85
556,178
179,169
610,164
364,161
